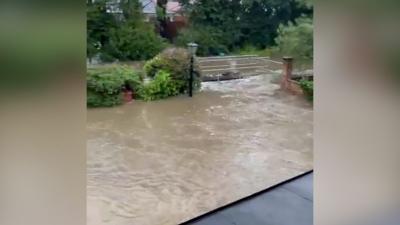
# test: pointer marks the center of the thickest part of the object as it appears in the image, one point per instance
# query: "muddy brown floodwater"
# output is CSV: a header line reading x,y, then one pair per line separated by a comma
x,y
164,162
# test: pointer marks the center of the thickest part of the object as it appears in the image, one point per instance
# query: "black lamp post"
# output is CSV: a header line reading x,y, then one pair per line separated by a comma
x,y
192,47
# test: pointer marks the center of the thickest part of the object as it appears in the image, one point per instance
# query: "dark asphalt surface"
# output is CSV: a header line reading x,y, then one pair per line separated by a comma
x,y
290,203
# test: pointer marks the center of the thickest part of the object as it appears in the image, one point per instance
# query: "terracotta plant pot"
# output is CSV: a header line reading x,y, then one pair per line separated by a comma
x,y
128,96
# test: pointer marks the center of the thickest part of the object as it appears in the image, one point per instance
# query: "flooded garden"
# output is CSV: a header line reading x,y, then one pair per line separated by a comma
x,y
164,162
156,156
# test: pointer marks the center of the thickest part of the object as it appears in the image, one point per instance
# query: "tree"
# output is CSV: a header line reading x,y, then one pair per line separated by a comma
x,y
131,10
213,25
99,24
161,11
296,39
116,30
242,22
134,42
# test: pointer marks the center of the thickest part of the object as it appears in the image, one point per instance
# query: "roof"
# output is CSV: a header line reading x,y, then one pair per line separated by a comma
x,y
149,6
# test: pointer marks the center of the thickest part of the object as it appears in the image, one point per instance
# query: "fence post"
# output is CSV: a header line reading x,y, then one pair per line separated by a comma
x,y
287,71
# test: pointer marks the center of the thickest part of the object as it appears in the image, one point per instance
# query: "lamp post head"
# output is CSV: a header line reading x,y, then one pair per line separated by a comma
x,y
192,47
287,58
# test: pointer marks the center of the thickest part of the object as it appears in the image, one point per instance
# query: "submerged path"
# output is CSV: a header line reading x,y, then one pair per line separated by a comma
x,y
165,162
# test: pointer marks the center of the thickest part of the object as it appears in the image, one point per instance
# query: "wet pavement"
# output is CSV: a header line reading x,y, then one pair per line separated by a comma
x,y
165,162
288,203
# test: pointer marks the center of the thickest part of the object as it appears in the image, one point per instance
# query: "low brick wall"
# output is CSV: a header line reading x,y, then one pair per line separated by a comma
x,y
293,87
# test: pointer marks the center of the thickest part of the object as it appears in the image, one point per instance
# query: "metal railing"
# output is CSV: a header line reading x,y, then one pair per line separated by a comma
x,y
246,65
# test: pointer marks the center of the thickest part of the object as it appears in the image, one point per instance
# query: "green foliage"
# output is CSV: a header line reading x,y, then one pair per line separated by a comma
x,y
296,39
173,60
99,23
308,4
251,50
106,54
308,88
95,99
169,72
213,26
131,10
220,22
227,25
209,39
161,14
128,42
162,86
176,62
104,85
123,36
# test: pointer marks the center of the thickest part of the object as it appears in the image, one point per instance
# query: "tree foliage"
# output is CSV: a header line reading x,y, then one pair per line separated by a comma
x,y
236,23
208,38
161,11
296,39
99,23
130,42
117,30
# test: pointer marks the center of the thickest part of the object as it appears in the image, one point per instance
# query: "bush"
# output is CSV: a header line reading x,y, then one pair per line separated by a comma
x,y
106,57
251,50
133,43
105,85
95,99
308,88
296,39
210,40
176,62
162,86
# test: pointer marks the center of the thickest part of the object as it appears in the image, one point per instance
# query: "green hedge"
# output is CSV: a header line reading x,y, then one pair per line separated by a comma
x,y
105,85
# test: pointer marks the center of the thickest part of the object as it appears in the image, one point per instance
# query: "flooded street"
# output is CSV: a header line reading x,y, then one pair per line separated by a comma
x,y
164,162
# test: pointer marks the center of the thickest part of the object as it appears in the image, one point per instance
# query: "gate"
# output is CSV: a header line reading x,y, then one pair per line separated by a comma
x,y
235,67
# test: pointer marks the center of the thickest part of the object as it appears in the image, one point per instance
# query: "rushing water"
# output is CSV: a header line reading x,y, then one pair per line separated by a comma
x,y
164,162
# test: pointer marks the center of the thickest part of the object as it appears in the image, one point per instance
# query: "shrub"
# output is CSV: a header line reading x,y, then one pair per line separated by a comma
x,y
129,42
176,62
162,86
251,50
210,40
105,85
105,56
95,99
308,88
296,39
